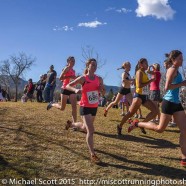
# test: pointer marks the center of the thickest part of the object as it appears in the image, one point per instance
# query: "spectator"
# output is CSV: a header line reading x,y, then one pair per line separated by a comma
x,y
1,96
39,88
50,85
155,87
30,89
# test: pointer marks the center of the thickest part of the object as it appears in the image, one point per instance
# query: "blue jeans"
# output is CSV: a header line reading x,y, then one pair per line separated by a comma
x,y
49,93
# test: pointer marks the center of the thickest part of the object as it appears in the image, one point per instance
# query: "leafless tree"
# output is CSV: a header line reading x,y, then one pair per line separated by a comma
x,y
15,67
89,52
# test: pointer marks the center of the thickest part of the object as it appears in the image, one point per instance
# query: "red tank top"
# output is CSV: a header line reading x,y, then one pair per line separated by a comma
x,y
90,92
155,85
66,81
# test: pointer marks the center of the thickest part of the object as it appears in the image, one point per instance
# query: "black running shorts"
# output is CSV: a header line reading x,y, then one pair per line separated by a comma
x,y
144,98
66,92
124,91
87,110
170,108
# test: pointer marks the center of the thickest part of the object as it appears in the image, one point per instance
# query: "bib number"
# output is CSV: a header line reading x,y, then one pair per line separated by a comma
x,y
92,97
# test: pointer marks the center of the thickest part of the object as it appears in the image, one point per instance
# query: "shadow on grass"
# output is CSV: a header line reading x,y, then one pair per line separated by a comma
x,y
116,120
20,170
156,143
175,131
147,168
3,163
170,158
161,143
33,147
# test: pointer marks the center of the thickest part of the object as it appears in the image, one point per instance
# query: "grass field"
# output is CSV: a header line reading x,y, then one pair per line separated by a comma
x,y
34,144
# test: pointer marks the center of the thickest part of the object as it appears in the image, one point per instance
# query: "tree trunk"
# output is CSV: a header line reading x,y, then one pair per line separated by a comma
x,y
16,85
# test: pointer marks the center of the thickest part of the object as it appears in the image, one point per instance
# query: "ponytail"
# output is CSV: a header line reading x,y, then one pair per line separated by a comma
x,y
85,71
136,68
172,55
124,64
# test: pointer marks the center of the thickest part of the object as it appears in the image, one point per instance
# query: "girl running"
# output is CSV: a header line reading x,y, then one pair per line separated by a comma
x,y
67,75
125,88
167,64
141,95
171,104
91,86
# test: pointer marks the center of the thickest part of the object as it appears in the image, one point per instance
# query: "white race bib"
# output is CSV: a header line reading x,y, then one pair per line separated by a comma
x,y
92,97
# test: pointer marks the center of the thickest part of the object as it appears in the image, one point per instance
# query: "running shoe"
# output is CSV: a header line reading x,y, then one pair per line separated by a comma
x,y
105,113
140,117
119,129
68,125
133,125
183,162
75,129
136,115
95,159
172,124
49,106
130,121
143,130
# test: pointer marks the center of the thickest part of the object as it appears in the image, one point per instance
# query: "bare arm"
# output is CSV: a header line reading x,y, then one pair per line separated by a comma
x,y
101,86
62,75
170,75
151,71
79,80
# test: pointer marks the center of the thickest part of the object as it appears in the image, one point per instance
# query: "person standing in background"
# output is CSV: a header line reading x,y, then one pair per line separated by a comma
x,y
39,89
50,84
155,87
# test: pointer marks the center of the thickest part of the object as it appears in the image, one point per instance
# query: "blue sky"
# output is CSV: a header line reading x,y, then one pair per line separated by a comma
x,y
118,30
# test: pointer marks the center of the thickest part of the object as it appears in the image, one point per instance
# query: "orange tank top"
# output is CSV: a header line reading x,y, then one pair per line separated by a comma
x,y
90,92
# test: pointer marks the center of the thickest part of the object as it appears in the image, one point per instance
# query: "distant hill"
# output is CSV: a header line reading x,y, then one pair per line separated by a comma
x,y
21,85
23,82
114,88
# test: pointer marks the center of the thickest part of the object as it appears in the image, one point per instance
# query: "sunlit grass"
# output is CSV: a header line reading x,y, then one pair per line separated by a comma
x,y
34,144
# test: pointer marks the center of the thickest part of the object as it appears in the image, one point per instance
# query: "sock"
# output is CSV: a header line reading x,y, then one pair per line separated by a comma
x,y
136,124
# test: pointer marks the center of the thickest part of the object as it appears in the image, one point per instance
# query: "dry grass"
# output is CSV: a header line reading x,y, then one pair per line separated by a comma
x,y
34,144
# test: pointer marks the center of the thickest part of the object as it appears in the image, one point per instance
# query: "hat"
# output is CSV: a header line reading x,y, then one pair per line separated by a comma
x,y
52,66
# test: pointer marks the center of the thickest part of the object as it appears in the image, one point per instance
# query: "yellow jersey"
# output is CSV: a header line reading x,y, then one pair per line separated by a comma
x,y
144,90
